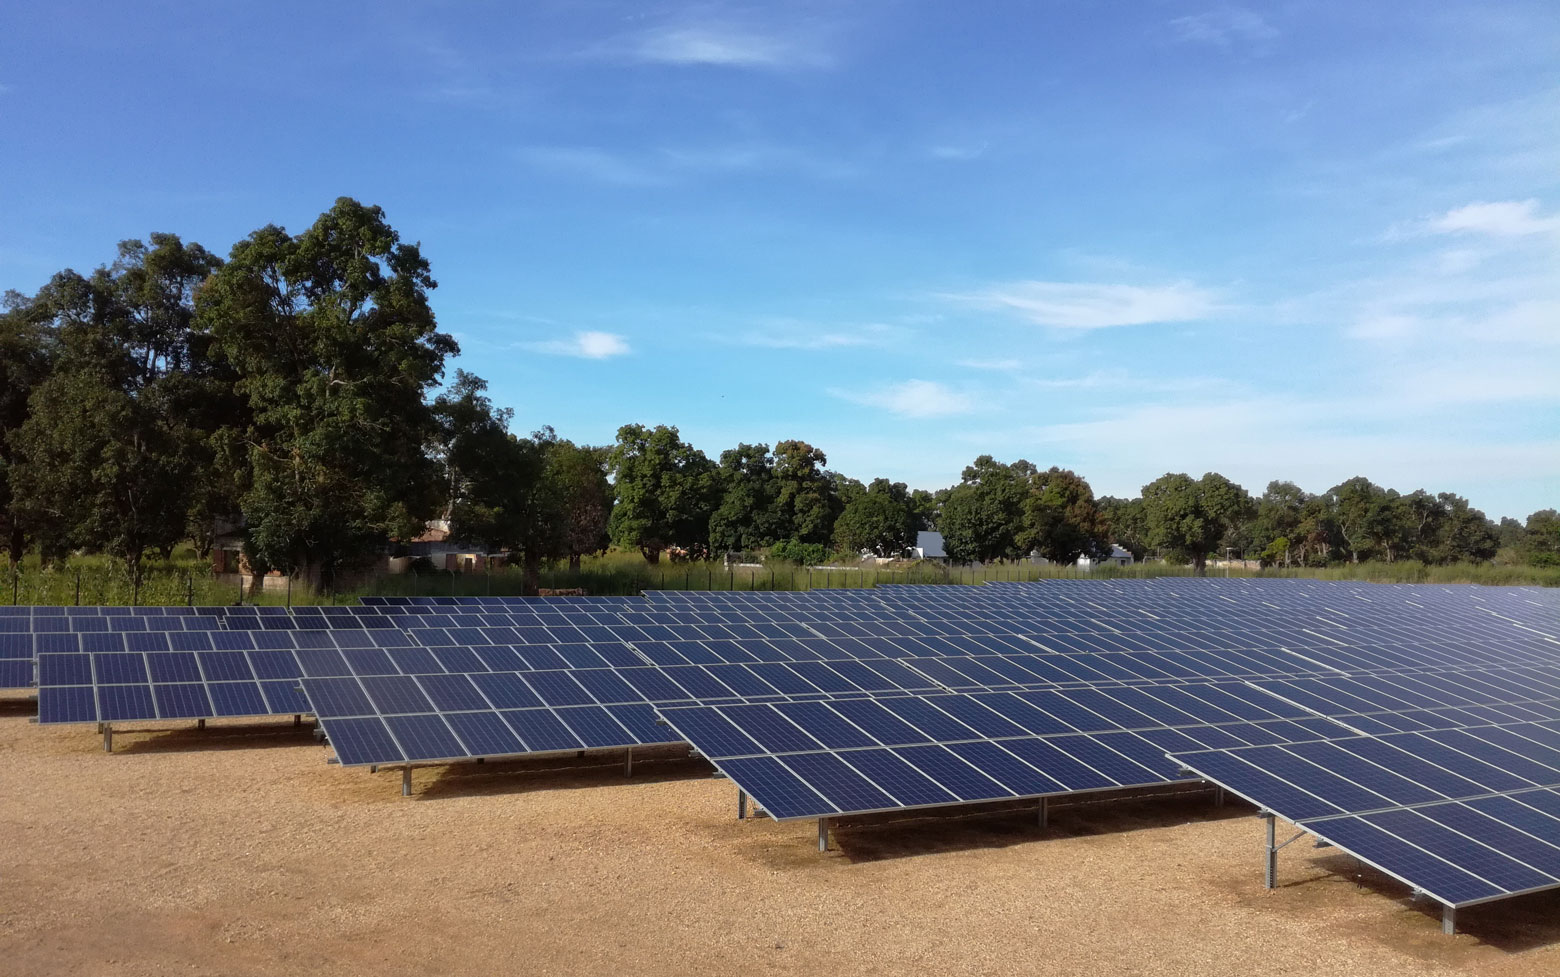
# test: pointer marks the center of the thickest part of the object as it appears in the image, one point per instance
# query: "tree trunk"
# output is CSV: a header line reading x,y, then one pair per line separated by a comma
x,y
16,545
531,576
652,556
574,563
1200,564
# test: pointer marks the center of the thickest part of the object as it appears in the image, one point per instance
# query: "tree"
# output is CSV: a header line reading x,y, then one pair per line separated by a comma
x,y
803,493
747,517
1189,516
1279,513
1358,510
1542,538
1127,528
983,515
335,348
579,478
26,355
665,490
1061,520
880,519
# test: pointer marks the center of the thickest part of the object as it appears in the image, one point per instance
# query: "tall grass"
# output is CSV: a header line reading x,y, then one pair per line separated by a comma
x,y
187,580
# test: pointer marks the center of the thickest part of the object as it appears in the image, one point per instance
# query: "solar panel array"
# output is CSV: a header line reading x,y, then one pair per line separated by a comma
x,y
827,703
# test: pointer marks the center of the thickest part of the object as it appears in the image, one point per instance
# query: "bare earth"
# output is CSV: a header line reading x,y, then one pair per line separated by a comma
x,y
238,851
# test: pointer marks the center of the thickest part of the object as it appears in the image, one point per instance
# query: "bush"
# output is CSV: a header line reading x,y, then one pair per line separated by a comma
x,y
798,553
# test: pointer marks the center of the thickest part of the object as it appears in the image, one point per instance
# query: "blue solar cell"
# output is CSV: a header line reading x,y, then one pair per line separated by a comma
x,y
237,699
425,738
67,704
1112,764
824,725
953,773
595,727
484,733
975,715
770,729
1509,840
1057,704
558,689
396,694
50,643
505,690
333,697
458,659
363,741
781,793
930,720
643,723
313,639
125,702
369,661
1140,751
715,735
840,784
173,666
452,693
909,786
782,678
541,731
120,669
273,640
1006,769
654,684
285,697
225,666
501,658
1466,854
882,725
322,662
607,686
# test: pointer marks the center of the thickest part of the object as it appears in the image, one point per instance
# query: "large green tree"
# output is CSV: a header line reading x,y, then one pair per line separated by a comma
x,y
1188,517
804,492
578,474
881,519
335,349
1061,520
665,492
26,355
982,516
747,517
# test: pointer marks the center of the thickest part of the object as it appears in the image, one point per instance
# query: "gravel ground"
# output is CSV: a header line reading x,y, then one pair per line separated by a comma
x,y
237,850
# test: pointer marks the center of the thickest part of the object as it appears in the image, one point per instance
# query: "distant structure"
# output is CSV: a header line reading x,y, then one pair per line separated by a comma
x,y
928,546
1119,557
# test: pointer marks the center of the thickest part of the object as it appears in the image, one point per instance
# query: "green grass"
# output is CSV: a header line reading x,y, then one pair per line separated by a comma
x,y
186,579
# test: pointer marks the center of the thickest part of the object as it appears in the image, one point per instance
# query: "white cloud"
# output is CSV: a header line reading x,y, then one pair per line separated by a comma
x,y
1505,218
912,398
596,164
1083,305
719,45
1223,27
958,152
997,365
588,345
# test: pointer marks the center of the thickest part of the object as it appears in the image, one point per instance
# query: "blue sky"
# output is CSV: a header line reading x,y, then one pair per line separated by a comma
x,y
1294,240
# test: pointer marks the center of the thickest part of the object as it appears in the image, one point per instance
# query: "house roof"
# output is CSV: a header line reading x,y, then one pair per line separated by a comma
x,y
931,545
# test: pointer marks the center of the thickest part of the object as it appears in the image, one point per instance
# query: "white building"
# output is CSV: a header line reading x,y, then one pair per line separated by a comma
x,y
928,546
1119,557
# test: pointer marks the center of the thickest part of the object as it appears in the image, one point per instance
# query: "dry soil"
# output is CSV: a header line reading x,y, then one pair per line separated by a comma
x,y
238,850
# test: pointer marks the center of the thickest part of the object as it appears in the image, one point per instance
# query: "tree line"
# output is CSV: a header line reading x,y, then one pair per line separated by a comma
x,y
293,392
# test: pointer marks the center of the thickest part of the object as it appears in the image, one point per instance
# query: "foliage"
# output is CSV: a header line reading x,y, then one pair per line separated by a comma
x,y
798,553
881,520
1188,517
335,346
665,488
1061,520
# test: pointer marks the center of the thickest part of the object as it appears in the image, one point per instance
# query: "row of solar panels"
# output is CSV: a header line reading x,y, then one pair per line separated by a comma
x,y
1465,815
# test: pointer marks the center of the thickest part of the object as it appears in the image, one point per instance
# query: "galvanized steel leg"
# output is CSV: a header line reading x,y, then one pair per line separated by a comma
x,y
297,721
628,763
200,724
406,781
1218,797
741,804
108,737
1043,818
1449,920
1270,877
823,834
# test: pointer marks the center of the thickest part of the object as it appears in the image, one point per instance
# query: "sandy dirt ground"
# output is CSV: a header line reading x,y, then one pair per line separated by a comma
x,y
238,850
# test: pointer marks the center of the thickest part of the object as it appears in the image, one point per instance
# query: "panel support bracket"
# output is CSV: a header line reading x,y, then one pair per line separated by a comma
x,y
406,781
108,737
628,762
1043,815
741,804
1449,920
823,834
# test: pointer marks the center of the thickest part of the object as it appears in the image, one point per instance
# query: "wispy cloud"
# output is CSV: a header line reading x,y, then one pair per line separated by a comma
x,y
995,365
721,45
958,152
1223,27
912,398
788,335
588,345
1505,218
1085,305
591,163
667,165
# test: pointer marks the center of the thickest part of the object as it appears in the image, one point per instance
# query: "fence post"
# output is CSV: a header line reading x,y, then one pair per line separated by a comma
x,y
78,586
289,589
189,590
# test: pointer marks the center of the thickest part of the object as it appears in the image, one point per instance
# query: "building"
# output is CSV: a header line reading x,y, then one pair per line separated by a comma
x,y
928,546
1119,557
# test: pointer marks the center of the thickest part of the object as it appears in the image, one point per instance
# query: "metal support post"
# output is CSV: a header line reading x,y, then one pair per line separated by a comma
x,y
1270,877
406,781
628,763
1449,920
297,721
1218,797
108,737
1043,819
200,724
741,804
823,834
373,768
